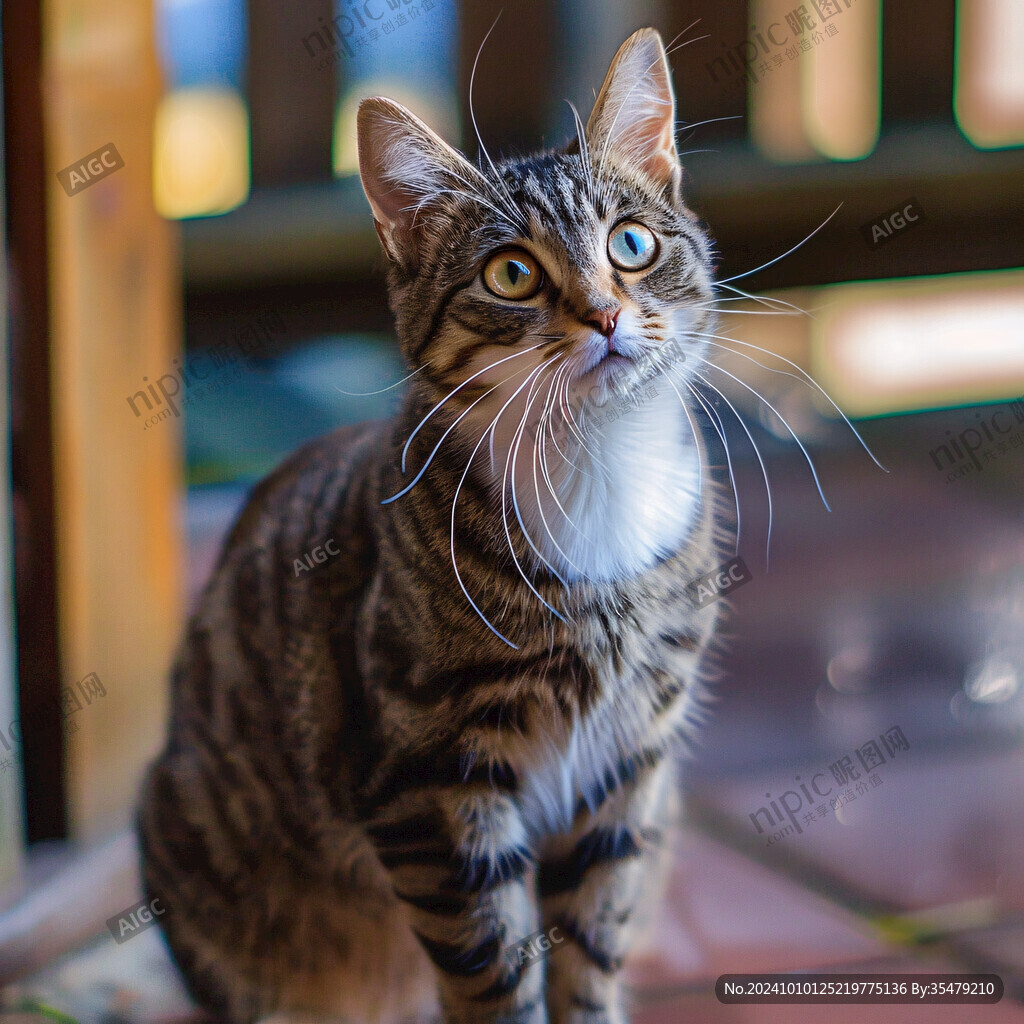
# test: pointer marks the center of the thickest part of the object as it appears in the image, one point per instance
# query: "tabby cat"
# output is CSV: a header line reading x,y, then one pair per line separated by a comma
x,y
458,732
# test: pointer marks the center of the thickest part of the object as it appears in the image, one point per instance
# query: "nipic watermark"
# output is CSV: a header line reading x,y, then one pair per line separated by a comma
x,y
996,433
89,688
190,380
362,23
764,45
849,781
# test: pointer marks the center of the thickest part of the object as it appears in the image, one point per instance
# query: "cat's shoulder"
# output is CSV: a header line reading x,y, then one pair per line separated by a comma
x,y
318,489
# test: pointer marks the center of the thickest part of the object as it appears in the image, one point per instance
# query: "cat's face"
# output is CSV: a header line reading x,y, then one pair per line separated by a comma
x,y
544,281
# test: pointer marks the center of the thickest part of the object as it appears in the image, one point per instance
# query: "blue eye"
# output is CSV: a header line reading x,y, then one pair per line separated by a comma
x,y
631,246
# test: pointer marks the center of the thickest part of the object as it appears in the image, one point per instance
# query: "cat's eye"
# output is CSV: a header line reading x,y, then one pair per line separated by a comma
x,y
513,274
631,246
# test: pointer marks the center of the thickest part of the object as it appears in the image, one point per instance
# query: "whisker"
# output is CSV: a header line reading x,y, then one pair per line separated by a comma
x,y
563,399
390,387
696,438
743,312
458,575
807,379
764,266
473,197
539,454
498,362
577,428
719,426
782,418
743,355
437,447
581,136
687,126
510,474
764,300
672,48
499,183
455,501
757,452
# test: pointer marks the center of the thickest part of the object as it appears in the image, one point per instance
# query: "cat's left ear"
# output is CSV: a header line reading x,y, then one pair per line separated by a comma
x,y
404,165
633,120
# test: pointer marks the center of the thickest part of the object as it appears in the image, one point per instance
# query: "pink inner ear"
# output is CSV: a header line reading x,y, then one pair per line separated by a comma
x,y
654,136
633,120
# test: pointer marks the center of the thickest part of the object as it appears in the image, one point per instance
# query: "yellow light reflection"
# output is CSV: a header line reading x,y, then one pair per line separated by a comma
x,y
439,114
896,346
818,81
841,86
989,95
776,120
201,153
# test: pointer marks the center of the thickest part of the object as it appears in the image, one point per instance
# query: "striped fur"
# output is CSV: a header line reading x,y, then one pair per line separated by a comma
x,y
460,730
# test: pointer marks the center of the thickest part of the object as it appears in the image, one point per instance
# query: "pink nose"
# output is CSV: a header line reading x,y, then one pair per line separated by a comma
x,y
604,320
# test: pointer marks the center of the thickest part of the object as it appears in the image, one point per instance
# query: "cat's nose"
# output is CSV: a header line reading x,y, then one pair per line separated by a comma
x,y
604,320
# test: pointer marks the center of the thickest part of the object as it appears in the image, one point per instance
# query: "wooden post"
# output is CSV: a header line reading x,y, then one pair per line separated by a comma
x,y
11,831
116,327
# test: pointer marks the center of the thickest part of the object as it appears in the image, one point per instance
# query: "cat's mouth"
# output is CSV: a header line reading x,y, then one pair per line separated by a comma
x,y
608,365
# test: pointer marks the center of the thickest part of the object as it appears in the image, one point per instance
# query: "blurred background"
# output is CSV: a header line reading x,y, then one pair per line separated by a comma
x,y
192,283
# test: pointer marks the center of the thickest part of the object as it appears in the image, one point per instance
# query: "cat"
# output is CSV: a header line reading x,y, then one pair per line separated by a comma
x,y
459,731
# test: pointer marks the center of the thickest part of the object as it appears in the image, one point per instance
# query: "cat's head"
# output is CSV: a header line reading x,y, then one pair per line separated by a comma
x,y
575,270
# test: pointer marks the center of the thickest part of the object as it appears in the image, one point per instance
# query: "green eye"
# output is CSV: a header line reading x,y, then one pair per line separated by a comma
x,y
513,274
631,246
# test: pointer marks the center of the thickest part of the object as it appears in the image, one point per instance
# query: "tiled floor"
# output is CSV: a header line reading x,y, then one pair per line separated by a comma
x,y
724,914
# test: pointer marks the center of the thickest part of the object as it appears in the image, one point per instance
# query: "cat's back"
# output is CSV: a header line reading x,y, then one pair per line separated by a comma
x,y
269,652
317,492
264,687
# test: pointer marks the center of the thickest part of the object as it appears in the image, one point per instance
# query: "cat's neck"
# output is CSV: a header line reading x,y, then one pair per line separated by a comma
x,y
620,499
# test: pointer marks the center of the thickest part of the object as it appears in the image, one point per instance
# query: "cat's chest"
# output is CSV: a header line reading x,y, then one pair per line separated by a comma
x,y
565,769
614,506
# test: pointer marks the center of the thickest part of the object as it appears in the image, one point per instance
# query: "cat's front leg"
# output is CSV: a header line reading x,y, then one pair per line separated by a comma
x,y
459,861
591,883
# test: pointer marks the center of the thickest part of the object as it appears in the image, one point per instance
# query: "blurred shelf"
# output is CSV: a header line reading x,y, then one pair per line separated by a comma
x,y
756,211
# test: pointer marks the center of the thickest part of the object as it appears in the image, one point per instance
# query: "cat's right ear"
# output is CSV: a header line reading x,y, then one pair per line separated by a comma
x,y
634,116
403,166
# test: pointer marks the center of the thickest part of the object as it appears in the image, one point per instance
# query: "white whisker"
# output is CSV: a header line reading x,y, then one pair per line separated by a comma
x,y
562,406
390,387
539,455
578,431
719,426
764,300
806,378
465,412
510,475
499,183
455,501
785,423
581,136
764,266
498,362
743,355
757,453
696,438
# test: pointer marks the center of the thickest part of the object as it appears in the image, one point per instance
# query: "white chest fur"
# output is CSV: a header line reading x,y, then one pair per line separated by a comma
x,y
624,500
